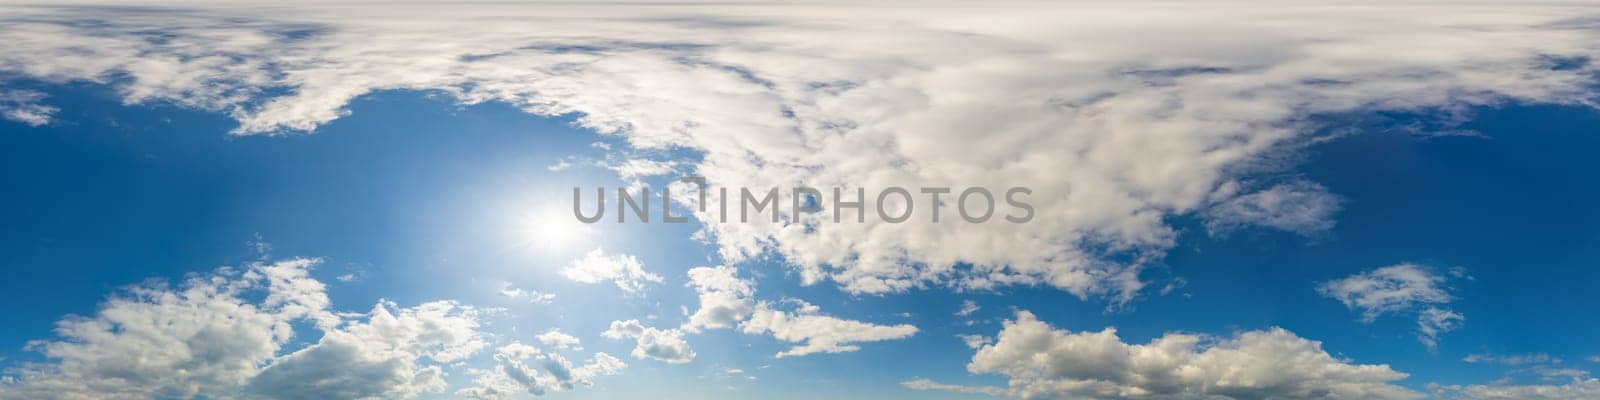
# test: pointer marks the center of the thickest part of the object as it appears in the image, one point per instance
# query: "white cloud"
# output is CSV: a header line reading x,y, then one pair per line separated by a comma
x,y
725,299
1433,321
818,333
1113,138
532,296
623,270
294,292
220,335
975,341
1300,207
23,106
666,345
967,308
1043,362
377,357
1511,359
638,168
523,369
1556,374
1401,288
1578,389
925,384
559,341
1388,290
560,165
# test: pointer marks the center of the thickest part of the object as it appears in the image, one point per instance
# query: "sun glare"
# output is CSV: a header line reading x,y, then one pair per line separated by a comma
x,y
550,231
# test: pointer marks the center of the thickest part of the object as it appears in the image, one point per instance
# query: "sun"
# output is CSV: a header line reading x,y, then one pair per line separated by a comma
x,y
550,230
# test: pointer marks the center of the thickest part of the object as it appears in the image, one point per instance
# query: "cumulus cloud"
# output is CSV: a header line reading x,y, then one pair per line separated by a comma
x,y
523,369
1113,132
222,335
377,357
623,270
1041,361
559,341
1402,288
725,299
665,345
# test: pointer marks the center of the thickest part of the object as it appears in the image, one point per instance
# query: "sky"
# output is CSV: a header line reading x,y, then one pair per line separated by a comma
x,y
1232,201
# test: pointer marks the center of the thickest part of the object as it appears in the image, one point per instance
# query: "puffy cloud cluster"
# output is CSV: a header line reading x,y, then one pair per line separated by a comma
x,y
560,341
666,345
725,298
523,369
221,335
1116,116
1402,288
622,270
378,358
1043,362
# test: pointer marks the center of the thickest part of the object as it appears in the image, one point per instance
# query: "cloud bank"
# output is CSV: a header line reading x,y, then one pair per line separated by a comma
x,y
1117,116
1042,362
222,335
227,335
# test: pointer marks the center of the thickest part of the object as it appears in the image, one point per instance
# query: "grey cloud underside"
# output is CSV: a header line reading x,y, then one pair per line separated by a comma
x,y
1117,118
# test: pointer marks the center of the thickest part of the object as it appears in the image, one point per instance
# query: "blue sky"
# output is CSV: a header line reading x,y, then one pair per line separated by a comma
x,y
1231,216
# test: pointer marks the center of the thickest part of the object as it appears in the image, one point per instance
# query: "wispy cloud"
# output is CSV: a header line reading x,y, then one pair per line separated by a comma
x,y
1401,289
